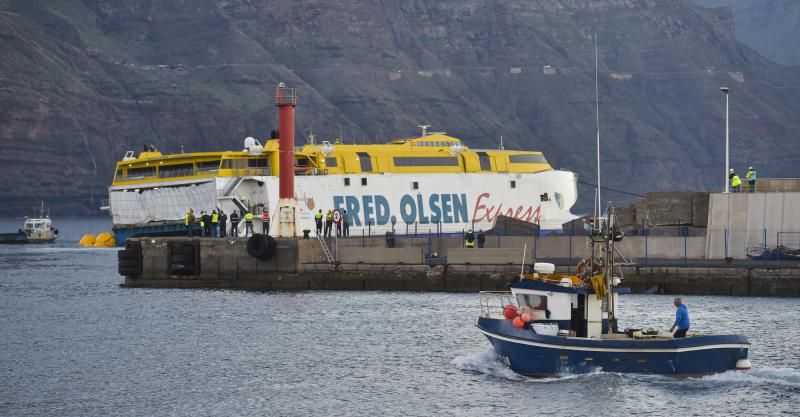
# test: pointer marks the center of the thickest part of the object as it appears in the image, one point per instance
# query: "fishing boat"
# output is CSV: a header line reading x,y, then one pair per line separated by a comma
x,y
552,324
34,230
429,183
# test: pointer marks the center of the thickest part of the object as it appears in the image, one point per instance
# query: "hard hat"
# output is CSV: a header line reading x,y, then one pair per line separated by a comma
x,y
749,167
731,169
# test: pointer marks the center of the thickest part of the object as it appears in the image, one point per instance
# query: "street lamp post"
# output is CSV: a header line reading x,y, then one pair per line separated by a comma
x,y
727,91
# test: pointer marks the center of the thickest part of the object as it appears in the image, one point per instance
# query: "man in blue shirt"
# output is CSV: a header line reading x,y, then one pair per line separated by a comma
x,y
681,319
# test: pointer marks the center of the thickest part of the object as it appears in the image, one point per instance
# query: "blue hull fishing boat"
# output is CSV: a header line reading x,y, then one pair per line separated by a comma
x,y
551,324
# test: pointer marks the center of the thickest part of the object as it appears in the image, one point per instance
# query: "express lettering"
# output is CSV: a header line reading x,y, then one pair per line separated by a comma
x,y
484,211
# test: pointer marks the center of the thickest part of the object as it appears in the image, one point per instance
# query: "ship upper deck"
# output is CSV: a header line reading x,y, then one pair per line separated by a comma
x,y
432,153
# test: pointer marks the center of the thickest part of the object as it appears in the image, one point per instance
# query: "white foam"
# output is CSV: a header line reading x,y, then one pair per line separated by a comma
x,y
757,376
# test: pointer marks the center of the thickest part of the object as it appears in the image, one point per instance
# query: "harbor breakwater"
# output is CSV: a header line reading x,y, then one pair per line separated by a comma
x,y
420,264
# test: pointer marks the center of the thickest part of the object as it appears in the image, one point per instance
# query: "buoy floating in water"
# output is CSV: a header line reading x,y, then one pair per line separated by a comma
x,y
105,240
87,241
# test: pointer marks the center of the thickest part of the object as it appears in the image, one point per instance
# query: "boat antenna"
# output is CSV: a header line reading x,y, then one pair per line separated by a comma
x,y
501,143
310,136
597,201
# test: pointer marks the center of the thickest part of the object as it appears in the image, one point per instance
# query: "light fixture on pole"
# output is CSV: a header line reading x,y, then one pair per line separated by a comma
x,y
727,91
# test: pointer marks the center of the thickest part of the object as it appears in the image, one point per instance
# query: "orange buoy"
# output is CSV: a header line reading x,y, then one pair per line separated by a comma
x,y
518,323
510,311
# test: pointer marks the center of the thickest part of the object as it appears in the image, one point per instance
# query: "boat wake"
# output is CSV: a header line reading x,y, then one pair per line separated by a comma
x,y
788,377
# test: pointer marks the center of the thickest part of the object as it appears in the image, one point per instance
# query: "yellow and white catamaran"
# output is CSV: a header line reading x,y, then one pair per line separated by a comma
x,y
428,183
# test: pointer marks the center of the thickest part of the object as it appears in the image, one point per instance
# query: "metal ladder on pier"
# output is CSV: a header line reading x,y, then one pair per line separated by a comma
x,y
325,249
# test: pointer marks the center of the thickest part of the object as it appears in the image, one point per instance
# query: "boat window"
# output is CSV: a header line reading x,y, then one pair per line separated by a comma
x,y
532,301
208,167
431,161
513,184
139,173
331,162
180,170
366,161
347,182
363,181
486,163
544,197
415,185
257,163
120,174
527,159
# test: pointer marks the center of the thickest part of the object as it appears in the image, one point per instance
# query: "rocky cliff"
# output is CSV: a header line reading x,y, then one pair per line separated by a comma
x,y
771,27
85,80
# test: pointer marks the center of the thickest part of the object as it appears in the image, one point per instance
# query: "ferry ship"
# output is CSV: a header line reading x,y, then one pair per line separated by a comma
x,y
427,184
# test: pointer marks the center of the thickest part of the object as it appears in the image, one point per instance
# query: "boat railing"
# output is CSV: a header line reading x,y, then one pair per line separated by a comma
x,y
493,302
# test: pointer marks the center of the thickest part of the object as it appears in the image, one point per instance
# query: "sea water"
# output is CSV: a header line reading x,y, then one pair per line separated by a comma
x,y
74,343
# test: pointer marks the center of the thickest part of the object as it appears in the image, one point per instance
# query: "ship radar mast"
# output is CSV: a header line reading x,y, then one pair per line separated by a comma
x,y
424,129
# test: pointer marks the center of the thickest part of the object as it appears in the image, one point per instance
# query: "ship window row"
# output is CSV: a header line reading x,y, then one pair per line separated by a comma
x,y
436,143
431,161
208,167
331,162
180,170
527,159
245,163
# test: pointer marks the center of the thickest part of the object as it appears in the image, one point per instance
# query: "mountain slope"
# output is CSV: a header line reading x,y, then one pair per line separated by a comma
x,y
771,27
86,80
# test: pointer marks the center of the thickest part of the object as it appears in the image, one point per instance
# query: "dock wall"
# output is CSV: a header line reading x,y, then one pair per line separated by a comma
x,y
301,265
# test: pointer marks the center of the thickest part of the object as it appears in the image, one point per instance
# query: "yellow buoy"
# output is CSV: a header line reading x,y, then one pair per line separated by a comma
x,y
87,240
105,240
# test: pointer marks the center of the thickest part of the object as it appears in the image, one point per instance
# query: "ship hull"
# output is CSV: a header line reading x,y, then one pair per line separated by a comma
x,y
376,203
530,354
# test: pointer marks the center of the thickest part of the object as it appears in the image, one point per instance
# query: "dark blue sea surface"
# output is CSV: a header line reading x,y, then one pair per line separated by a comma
x,y
74,343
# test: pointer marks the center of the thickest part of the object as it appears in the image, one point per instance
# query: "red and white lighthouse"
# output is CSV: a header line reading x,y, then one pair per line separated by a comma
x,y
286,100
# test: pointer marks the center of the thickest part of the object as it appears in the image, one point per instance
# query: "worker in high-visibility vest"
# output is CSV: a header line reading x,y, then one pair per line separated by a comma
x,y
189,222
214,223
248,224
469,239
265,222
736,182
752,176
318,221
328,222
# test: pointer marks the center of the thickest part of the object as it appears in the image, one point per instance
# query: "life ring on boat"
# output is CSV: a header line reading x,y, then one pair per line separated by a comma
x,y
586,265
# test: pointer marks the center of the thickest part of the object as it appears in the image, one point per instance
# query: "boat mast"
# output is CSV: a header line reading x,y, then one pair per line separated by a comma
x,y
598,201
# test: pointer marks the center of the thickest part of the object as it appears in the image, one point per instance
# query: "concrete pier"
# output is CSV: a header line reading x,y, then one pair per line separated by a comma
x,y
366,264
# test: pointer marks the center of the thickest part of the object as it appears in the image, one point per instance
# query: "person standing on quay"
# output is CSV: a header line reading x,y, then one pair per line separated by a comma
x,y
190,223
328,222
206,224
752,176
248,224
345,224
235,219
681,319
318,221
223,220
481,239
736,182
214,223
469,239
